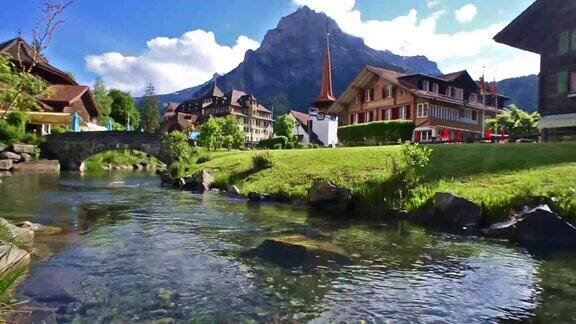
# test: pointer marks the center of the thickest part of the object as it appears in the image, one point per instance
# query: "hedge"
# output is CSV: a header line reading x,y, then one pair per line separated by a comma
x,y
272,143
376,133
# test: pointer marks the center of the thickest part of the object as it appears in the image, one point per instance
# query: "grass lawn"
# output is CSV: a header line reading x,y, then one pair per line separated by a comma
x,y
496,176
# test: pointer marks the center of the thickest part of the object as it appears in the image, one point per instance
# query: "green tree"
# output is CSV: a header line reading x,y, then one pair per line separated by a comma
x,y
284,126
515,122
223,132
149,110
18,90
123,110
210,133
177,146
102,98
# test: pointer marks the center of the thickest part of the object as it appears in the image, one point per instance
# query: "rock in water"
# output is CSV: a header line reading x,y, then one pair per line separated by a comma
x,y
26,157
453,211
3,147
537,226
23,148
6,165
40,229
22,236
233,191
39,166
299,250
10,156
326,195
203,181
12,257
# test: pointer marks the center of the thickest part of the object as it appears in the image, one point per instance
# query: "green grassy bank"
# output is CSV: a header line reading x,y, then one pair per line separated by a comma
x,y
98,162
498,177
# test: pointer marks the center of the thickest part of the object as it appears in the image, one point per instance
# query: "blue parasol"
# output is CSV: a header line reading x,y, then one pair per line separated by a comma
x,y
109,126
76,123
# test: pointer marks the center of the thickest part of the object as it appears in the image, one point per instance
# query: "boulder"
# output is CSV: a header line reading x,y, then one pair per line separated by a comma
x,y
26,157
6,165
38,166
12,257
5,174
538,226
137,166
258,197
298,250
166,177
326,195
179,183
451,211
7,155
203,180
22,236
3,147
233,191
40,229
23,148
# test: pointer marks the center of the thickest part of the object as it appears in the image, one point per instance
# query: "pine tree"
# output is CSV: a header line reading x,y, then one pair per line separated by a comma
x,y
149,109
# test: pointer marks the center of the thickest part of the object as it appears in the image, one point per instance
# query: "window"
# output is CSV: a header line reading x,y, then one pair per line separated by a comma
x,y
422,110
367,116
473,97
564,42
562,83
425,85
355,119
403,112
435,88
388,114
403,92
369,96
389,91
475,115
425,136
458,93
449,91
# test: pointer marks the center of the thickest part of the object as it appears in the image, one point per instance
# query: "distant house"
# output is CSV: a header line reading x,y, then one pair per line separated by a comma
x,y
549,29
65,98
255,119
301,128
450,104
170,110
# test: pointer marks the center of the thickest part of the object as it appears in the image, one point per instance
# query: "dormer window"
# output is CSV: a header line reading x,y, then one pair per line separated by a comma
x,y
426,85
458,93
473,97
435,88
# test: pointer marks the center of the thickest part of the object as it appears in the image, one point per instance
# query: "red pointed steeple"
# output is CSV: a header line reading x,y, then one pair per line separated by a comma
x,y
326,98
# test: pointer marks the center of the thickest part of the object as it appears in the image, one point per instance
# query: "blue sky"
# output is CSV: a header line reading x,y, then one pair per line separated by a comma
x,y
193,39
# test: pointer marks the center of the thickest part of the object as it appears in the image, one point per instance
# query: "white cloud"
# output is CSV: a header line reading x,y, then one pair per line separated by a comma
x,y
170,63
412,34
466,13
432,3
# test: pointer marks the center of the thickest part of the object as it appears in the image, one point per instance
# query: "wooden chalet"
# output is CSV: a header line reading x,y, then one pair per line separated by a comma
x,y
447,107
548,28
64,96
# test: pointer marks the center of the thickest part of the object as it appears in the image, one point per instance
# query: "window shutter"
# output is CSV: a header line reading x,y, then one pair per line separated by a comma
x,y
562,82
395,113
351,119
408,112
362,96
564,42
372,116
384,96
360,118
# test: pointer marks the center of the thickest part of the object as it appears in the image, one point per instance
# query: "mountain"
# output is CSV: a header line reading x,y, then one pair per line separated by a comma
x,y
522,90
284,73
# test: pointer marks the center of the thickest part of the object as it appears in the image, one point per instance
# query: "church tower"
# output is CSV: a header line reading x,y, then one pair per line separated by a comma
x,y
326,98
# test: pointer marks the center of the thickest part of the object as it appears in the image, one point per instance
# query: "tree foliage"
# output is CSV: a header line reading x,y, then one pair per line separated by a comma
x,y
12,129
217,133
103,100
515,122
284,126
177,145
149,110
123,109
18,88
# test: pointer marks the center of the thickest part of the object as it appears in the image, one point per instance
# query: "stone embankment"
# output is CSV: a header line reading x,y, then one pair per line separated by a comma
x,y
24,158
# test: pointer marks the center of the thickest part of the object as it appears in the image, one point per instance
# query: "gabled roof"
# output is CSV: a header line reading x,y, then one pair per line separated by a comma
x,y
66,95
46,71
301,117
529,30
171,106
214,91
450,77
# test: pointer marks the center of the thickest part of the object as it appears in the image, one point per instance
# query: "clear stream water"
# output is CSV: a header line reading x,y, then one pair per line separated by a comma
x,y
139,252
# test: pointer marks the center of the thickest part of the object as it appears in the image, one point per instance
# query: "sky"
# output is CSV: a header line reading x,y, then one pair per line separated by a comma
x,y
176,44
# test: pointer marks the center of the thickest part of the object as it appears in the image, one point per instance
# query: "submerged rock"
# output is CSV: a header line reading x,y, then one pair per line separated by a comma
x,y
233,191
326,195
6,165
446,209
40,229
258,197
12,257
22,236
38,166
536,226
299,250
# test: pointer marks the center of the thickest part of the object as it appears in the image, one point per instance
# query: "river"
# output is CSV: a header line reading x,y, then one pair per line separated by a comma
x,y
138,252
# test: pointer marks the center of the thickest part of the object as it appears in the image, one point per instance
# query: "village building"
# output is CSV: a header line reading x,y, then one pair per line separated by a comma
x,y
170,110
254,119
65,97
548,28
301,126
448,107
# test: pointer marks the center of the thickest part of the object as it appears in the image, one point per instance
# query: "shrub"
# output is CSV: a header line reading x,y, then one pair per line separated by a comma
x,y
376,133
272,142
12,129
277,146
59,130
298,145
31,138
262,160
177,146
289,146
203,159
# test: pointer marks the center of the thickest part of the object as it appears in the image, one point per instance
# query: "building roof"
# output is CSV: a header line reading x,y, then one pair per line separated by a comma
x,y
326,92
213,91
450,77
66,95
171,107
301,117
18,48
528,30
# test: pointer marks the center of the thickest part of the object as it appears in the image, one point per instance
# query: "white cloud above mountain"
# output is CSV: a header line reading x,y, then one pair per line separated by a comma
x,y
170,64
418,34
466,13
432,3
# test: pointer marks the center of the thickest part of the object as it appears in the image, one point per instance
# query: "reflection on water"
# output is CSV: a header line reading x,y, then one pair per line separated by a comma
x,y
136,252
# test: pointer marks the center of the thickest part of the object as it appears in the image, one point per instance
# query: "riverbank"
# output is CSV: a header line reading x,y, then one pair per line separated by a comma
x,y
121,160
496,177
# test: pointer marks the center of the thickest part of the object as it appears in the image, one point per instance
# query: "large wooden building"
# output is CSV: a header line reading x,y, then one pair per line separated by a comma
x,y
448,107
548,27
256,120
65,97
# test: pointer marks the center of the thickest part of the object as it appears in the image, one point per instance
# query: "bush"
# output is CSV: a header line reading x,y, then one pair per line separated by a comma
x,y
12,129
271,143
59,130
277,146
289,146
262,160
177,146
376,133
31,138
203,159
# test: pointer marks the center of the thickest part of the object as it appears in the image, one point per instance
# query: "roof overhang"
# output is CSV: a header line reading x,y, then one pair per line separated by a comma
x,y
528,30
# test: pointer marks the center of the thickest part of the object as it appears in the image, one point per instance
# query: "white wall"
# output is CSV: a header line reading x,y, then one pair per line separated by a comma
x,y
326,129
298,130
